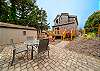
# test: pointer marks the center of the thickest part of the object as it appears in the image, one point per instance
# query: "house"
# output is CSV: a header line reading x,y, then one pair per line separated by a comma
x,y
65,22
16,32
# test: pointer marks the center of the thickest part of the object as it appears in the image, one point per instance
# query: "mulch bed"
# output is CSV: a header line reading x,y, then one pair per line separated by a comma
x,y
86,46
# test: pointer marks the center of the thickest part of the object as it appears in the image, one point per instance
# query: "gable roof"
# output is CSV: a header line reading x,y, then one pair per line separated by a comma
x,y
56,17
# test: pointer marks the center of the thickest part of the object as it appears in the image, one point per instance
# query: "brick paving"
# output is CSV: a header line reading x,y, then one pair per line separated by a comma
x,y
61,59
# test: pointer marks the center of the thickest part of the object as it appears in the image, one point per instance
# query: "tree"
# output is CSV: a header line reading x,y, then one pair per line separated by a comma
x,y
13,11
24,12
33,17
38,18
43,20
4,11
93,21
20,9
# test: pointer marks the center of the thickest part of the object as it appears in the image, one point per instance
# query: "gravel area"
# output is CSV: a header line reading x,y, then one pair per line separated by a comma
x,y
86,46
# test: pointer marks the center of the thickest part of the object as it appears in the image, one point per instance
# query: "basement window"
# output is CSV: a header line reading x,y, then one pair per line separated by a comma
x,y
24,33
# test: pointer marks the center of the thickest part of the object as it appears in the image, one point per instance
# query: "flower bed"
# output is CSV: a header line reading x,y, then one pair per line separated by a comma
x,y
86,46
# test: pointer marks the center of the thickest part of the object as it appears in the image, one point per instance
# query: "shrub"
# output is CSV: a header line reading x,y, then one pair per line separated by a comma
x,y
91,36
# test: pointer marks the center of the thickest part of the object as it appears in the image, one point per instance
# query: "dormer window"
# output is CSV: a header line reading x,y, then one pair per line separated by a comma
x,y
57,21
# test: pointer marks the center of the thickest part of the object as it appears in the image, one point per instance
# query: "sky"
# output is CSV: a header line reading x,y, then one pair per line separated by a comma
x,y
81,8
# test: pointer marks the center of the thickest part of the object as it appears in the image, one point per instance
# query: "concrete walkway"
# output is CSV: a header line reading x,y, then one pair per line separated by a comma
x,y
61,59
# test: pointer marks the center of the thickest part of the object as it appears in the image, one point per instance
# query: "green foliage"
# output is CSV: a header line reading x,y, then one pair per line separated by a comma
x,y
93,21
23,12
89,36
4,11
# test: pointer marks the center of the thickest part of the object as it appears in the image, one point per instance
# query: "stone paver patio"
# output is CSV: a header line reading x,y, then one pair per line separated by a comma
x,y
61,59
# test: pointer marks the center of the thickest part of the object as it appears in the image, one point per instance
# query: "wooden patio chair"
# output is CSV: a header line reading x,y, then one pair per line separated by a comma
x,y
17,50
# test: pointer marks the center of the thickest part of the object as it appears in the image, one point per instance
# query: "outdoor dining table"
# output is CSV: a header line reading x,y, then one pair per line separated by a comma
x,y
32,43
